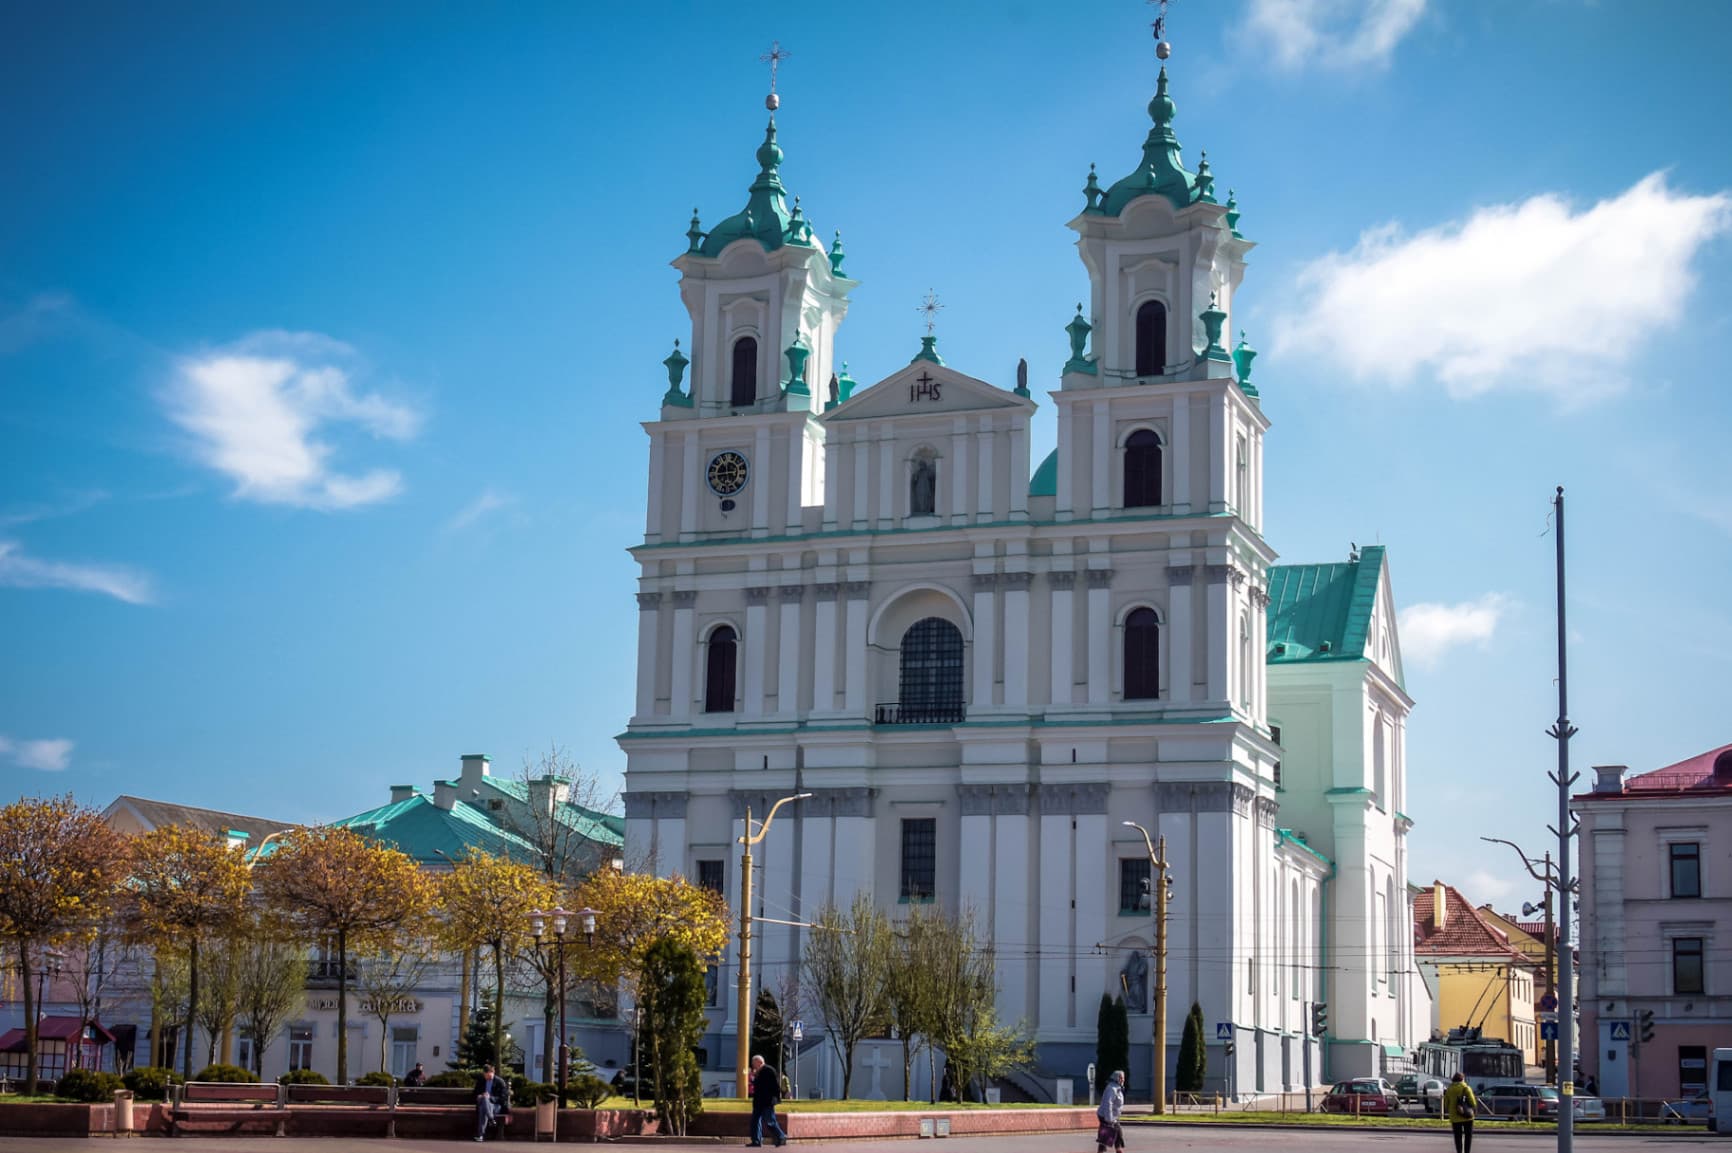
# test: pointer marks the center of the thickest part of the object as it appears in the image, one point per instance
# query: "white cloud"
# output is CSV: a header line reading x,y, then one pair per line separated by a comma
x,y
50,756
255,410
1430,630
1485,887
1529,295
489,501
1333,33
18,569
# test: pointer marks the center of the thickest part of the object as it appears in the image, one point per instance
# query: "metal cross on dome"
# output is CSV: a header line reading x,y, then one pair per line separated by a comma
x,y
1162,48
930,308
773,58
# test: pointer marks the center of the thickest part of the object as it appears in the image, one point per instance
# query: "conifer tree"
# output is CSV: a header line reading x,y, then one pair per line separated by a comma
x,y
1185,1077
767,1030
1103,1043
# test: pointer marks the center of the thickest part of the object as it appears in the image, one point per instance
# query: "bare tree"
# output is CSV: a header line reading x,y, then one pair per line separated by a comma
x,y
847,956
388,980
219,996
909,995
559,816
271,989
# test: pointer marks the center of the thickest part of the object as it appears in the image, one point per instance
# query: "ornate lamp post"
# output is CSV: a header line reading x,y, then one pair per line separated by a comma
x,y
561,920
743,1026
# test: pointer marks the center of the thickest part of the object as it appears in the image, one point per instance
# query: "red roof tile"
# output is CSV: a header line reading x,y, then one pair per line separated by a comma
x,y
1464,934
1695,772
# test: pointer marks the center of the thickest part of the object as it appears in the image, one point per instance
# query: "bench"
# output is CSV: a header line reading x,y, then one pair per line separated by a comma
x,y
427,1110
313,1101
232,1105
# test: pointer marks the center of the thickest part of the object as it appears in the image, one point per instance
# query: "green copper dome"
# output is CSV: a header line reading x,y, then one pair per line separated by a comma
x,y
766,217
1162,169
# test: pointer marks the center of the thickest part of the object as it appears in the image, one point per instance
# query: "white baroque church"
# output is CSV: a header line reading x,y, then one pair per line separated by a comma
x,y
981,671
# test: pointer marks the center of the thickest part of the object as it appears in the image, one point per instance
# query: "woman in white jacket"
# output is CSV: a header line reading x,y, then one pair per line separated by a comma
x,y
1112,1105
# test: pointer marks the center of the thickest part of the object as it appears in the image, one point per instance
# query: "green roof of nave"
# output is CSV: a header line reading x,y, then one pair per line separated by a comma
x,y
1323,611
1162,169
766,216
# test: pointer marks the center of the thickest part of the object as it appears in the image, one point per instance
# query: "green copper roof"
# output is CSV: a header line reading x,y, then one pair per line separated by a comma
x,y
429,834
766,216
1323,611
604,828
1162,169
1045,479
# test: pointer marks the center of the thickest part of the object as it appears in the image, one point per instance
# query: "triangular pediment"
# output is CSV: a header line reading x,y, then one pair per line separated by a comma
x,y
926,389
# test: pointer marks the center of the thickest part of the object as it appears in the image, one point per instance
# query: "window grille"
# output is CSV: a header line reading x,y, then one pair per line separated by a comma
x,y
1152,339
1133,884
1142,469
710,876
1142,655
720,663
931,688
743,388
919,858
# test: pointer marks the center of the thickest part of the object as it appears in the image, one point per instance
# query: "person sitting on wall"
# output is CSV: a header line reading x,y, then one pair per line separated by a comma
x,y
492,1101
416,1076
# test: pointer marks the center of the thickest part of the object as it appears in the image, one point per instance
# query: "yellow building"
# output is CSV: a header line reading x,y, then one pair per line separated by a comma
x,y
1477,977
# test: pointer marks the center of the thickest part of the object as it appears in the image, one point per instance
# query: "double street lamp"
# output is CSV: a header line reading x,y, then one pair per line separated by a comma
x,y
560,920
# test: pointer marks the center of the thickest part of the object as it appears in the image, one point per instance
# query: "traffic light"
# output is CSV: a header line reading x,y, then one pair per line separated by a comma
x,y
1645,1025
1319,1018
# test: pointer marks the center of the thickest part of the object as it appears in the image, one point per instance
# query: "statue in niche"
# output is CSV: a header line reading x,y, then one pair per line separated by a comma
x,y
923,487
1022,375
835,390
1135,978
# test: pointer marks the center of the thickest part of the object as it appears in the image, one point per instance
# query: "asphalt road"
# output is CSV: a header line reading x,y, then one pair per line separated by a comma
x,y
1138,1140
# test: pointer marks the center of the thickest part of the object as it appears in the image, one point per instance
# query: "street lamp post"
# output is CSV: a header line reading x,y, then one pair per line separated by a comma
x,y
743,1042
538,925
1160,883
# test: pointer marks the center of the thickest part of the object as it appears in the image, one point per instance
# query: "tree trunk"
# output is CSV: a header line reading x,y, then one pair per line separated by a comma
x,y
342,1007
31,1068
384,1036
847,1070
463,993
907,1067
191,1005
499,1004
155,1056
548,1042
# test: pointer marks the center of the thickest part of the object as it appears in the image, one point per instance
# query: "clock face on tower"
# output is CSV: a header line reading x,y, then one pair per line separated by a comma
x,y
727,473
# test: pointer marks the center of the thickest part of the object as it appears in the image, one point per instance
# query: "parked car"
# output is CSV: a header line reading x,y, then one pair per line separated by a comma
x,y
1588,1107
1420,1090
1693,1110
1368,1095
1518,1102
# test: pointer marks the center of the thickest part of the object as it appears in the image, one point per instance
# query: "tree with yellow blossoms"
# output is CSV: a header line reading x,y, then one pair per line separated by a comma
x,y
634,911
485,901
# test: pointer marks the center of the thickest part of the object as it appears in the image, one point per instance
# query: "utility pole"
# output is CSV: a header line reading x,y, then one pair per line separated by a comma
x,y
1550,878
1161,883
1551,977
1562,731
743,1022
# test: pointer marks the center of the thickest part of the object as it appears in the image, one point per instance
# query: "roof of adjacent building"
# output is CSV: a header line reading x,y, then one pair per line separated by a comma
x,y
1710,771
158,814
433,835
1044,482
1465,933
1323,611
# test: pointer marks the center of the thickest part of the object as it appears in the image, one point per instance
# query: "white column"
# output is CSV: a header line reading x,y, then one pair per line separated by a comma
x,y
887,476
860,449
1063,503
854,682
1018,470
775,857
824,651
1180,658
832,484
1056,919
1013,880
1099,634
1016,625
983,483
761,481
653,517
985,640
788,658
1220,633
1063,642
757,654
797,459
959,471
1091,908
855,859
1220,453
817,863
1101,460
670,846
691,484
1179,453
682,656
649,607
974,880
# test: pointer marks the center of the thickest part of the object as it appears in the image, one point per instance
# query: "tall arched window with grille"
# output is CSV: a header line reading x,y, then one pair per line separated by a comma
x,y
1152,339
1143,469
743,388
1142,655
931,687
719,665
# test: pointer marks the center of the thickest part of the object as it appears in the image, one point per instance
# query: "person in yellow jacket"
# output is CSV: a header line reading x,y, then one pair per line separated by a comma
x,y
1459,1106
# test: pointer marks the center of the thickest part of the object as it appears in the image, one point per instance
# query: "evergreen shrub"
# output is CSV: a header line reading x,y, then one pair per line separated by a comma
x,y
87,1085
233,1074
588,1091
303,1077
376,1077
454,1079
150,1082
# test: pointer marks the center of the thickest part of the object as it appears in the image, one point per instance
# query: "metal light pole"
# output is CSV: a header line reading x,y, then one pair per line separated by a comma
x,y
1562,731
1549,878
537,926
1159,882
743,1042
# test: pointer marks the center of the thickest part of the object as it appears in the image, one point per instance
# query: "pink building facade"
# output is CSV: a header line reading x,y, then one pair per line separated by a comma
x,y
1656,925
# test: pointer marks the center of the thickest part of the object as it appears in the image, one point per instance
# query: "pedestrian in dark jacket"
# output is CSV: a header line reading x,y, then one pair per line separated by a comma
x,y
766,1086
415,1077
492,1100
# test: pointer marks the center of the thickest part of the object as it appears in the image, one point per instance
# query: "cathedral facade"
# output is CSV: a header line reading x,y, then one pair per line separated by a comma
x,y
982,670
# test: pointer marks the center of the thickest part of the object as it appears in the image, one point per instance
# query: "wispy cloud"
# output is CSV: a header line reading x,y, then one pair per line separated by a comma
x,y
256,409
39,316
1428,631
1533,295
18,569
70,506
50,756
1333,33
1482,886
489,501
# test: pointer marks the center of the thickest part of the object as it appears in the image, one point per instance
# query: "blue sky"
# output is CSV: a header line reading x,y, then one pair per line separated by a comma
x,y
324,329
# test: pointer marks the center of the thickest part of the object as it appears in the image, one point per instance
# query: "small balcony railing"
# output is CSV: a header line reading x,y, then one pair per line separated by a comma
x,y
946,713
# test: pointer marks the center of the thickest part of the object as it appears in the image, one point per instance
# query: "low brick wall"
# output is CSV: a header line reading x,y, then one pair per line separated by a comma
x,y
899,1123
54,1119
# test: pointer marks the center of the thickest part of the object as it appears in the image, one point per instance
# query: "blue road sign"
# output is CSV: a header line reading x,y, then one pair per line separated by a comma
x,y
1620,1030
1548,1004
1548,1030
1223,1030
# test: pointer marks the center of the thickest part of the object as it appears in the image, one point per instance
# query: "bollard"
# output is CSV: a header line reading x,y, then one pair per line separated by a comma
x,y
123,1111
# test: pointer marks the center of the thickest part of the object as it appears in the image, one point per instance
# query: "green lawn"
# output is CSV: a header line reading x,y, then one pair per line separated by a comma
x,y
1275,1117
735,1105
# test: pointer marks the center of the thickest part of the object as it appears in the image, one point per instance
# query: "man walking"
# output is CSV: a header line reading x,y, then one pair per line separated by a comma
x,y
766,1095
491,1100
1459,1105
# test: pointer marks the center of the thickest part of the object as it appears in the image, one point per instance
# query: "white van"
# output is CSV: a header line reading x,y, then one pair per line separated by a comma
x,y
1720,1091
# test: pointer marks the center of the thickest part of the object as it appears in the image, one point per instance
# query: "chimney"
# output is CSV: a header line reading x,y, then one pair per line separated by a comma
x,y
401,793
238,839
445,794
545,792
1439,906
474,769
1609,778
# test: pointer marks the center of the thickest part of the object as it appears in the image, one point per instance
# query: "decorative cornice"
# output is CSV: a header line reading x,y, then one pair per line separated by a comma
x,y
1260,595
1266,809
826,590
792,593
1061,579
650,806
757,594
1100,578
985,580
1016,580
990,800
685,598
1203,797
1218,573
855,802
1180,575
1074,799
858,588
647,602
1238,575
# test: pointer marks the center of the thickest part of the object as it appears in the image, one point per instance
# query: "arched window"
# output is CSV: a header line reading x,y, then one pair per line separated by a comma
x,y
1152,339
744,389
1246,676
1142,655
1142,469
923,485
931,690
1379,773
719,665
